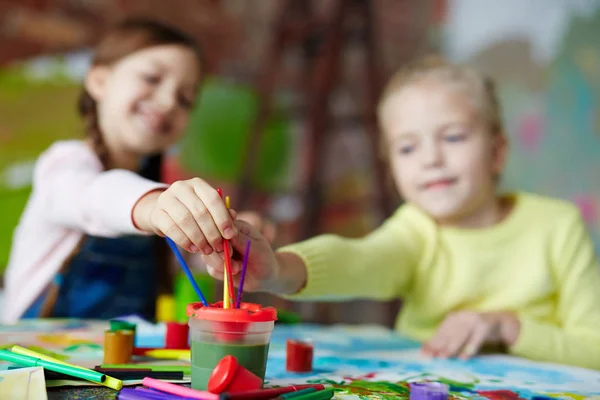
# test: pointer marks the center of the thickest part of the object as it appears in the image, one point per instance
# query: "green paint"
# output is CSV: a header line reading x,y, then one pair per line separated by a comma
x,y
325,381
205,357
457,386
76,347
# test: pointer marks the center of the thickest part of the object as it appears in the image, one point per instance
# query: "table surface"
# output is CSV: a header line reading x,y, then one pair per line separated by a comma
x,y
360,362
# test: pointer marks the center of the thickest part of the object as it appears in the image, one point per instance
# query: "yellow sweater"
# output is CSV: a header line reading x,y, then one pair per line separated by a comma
x,y
539,262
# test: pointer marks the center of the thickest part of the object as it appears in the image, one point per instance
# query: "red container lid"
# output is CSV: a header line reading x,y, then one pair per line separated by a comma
x,y
248,312
222,374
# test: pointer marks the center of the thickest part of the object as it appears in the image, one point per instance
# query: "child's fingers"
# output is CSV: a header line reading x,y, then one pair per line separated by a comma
x,y
186,221
215,273
216,207
214,260
475,341
456,340
163,222
196,209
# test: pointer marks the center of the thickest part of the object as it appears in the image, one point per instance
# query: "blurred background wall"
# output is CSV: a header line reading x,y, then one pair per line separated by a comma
x,y
544,54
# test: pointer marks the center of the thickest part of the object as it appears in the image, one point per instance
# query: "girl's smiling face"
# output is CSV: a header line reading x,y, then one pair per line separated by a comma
x,y
443,156
144,100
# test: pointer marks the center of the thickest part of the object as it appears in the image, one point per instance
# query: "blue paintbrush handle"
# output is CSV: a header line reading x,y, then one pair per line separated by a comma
x,y
187,271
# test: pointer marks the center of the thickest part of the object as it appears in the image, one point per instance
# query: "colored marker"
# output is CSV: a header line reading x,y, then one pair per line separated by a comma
x,y
186,369
28,361
268,393
293,395
187,271
133,394
178,390
170,354
319,395
124,375
108,381
143,351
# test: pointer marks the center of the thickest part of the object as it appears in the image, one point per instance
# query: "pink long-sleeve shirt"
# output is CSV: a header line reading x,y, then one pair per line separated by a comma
x,y
72,196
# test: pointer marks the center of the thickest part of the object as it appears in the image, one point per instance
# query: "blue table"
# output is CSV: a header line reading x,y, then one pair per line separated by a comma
x,y
359,361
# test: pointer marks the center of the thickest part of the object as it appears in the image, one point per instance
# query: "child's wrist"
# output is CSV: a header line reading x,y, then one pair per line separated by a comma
x,y
142,210
290,274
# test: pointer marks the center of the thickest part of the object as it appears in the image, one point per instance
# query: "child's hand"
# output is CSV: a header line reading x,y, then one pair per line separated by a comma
x,y
191,213
281,273
462,334
261,224
262,269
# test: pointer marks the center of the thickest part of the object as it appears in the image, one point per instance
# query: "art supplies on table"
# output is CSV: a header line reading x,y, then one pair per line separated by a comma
x,y
178,390
185,369
229,376
244,333
428,391
118,346
137,394
125,374
30,358
177,335
299,356
186,270
271,393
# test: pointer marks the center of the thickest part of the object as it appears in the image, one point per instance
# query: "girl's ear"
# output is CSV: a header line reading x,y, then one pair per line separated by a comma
x,y
499,153
95,81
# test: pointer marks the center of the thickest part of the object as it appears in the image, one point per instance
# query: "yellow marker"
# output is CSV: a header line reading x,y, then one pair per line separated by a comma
x,y
225,291
169,354
110,382
226,302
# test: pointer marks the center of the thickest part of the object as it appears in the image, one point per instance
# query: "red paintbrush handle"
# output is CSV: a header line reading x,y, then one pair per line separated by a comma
x,y
228,269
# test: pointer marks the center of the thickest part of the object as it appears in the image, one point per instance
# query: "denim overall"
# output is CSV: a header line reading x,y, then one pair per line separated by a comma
x,y
109,277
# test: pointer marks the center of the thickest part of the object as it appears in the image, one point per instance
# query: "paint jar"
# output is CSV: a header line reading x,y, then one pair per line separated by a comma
x,y
298,356
215,332
118,347
428,391
176,336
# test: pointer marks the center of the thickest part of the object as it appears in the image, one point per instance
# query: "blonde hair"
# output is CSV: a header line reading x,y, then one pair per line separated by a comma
x,y
436,67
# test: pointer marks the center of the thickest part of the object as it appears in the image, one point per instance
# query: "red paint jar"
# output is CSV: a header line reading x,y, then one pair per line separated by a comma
x,y
177,336
299,356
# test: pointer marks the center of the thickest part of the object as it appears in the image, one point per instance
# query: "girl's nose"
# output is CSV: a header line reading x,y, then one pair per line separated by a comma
x,y
432,155
166,99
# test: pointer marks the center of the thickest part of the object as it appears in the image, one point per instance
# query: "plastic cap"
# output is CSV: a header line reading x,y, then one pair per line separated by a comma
x,y
222,374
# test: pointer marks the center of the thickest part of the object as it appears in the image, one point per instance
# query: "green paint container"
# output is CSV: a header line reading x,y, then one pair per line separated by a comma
x,y
244,333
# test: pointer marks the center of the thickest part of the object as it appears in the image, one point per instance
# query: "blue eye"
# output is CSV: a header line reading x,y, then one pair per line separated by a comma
x,y
454,138
406,149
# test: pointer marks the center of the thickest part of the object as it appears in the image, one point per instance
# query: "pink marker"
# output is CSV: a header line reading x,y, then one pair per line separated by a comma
x,y
178,390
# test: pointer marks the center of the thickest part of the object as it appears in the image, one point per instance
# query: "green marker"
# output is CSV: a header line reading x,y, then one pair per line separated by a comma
x,y
63,369
319,395
155,368
299,393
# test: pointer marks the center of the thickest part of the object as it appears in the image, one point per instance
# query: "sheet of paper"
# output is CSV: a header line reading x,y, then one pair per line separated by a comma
x,y
23,384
